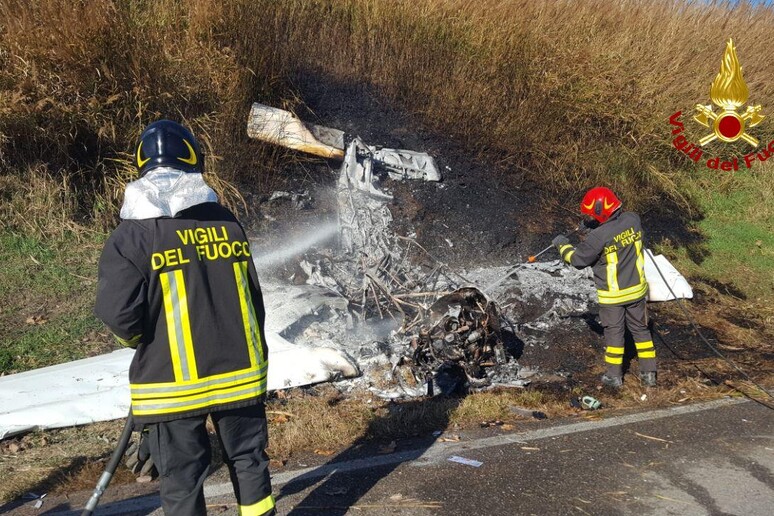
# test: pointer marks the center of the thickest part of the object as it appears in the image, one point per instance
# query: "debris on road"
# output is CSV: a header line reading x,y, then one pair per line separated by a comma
x,y
585,403
337,491
467,462
653,438
388,448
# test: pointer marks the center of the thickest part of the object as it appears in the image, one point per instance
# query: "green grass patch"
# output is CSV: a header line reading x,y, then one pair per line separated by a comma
x,y
60,339
46,299
738,227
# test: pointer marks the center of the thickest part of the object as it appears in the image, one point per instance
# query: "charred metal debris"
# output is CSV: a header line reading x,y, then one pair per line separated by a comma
x,y
457,342
448,336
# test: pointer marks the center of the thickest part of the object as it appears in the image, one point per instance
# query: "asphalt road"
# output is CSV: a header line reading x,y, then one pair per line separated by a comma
x,y
711,459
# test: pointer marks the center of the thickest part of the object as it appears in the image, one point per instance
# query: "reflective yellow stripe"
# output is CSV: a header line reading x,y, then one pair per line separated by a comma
x,y
178,325
196,397
640,260
249,320
186,324
211,383
566,251
169,312
622,296
219,397
259,508
614,355
645,349
612,271
194,383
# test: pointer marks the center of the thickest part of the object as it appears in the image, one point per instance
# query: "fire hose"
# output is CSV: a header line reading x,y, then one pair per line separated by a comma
x,y
110,469
705,340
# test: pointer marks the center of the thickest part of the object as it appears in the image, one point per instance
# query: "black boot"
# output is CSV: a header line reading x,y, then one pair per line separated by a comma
x,y
648,379
612,381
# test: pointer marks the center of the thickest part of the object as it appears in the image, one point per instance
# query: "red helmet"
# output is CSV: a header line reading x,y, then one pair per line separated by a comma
x,y
600,203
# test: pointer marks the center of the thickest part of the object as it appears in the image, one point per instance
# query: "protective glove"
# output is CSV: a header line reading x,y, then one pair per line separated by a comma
x,y
560,241
138,457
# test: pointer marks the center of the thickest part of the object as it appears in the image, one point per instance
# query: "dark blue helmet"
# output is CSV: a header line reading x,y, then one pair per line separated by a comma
x,y
168,144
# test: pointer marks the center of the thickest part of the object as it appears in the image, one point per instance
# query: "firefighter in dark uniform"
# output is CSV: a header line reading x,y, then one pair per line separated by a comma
x,y
615,252
177,283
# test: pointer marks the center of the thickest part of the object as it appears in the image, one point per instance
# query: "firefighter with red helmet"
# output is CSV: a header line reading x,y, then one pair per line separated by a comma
x,y
177,283
614,250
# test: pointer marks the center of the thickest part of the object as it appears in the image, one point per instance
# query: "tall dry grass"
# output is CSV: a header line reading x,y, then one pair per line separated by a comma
x,y
567,93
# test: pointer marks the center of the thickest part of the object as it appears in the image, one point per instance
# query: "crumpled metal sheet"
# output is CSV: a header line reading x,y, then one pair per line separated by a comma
x,y
406,164
164,192
280,127
363,162
358,169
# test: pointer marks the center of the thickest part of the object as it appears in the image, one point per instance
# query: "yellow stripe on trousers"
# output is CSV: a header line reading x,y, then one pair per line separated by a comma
x,y
178,326
614,355
259,508
645,349
249,320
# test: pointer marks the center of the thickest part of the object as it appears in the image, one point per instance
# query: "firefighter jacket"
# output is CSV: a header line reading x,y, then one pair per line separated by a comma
x,y
615,253
183,290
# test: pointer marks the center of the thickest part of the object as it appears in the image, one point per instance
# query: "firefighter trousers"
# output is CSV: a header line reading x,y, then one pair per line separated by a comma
x,y
181,451
615,320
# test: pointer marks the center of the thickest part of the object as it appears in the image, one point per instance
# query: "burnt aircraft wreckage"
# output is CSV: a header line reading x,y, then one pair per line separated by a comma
x,y
412,329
